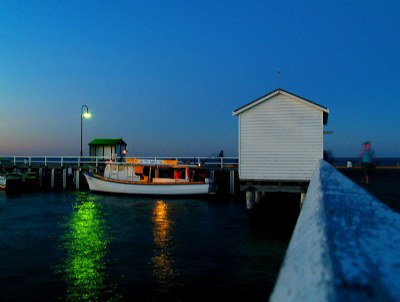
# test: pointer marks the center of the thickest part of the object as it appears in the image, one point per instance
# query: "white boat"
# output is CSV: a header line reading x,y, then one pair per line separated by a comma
x,y
150,177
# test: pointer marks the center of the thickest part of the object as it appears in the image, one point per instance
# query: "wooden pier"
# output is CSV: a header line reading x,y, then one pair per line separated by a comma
x,y
345,245
384,183
66,172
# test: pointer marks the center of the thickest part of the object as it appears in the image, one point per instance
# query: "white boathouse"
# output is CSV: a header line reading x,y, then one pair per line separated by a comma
x,y
280,142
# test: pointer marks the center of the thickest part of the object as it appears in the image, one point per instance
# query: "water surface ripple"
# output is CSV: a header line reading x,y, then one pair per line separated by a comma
x,y
79,246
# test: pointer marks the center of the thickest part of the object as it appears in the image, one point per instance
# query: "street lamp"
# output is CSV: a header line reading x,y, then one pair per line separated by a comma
x,y
86,115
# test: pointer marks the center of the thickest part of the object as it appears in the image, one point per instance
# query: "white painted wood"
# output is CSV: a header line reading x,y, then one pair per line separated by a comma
x,y
280,138
121,178
98,184
104,151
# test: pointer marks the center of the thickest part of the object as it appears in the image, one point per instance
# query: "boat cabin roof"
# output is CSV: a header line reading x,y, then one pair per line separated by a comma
x,y
160,165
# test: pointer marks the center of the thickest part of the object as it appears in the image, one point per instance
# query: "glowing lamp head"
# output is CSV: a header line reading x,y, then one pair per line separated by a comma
x,y
87,115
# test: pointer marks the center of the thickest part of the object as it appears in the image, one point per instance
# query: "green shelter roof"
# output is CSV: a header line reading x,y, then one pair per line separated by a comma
x,y
107,141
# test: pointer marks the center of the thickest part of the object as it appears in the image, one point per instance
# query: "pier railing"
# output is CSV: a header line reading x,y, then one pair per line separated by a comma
x,y
87,161
345,246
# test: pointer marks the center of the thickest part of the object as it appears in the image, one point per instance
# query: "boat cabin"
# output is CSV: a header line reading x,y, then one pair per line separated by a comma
x,y
155,173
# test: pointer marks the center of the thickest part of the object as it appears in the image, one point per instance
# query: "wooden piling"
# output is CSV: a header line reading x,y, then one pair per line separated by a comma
x,y
53,172
302,197
253,198
40,177
232,182
212,175
77,179
64,178
250,199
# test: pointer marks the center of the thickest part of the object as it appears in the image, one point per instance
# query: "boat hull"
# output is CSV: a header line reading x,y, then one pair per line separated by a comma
x,y
101,184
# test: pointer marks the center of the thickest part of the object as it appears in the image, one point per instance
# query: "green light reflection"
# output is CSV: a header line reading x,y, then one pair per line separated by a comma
x,y
86,244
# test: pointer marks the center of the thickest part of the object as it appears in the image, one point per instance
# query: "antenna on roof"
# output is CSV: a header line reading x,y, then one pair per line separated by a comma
x,y
279,73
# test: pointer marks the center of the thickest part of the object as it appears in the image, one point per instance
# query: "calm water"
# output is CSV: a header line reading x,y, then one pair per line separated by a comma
x,y
78,246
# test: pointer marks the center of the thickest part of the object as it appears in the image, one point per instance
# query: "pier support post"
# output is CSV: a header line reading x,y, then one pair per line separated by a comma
x,y
258,196
232,182
250,199
253,198
302,197
77,179
52,177
64,178
40,177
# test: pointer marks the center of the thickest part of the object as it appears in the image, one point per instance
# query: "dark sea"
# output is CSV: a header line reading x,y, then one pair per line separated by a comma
x,y
79,246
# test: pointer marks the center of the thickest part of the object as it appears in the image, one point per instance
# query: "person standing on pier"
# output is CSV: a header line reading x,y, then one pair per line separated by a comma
x,y
368,161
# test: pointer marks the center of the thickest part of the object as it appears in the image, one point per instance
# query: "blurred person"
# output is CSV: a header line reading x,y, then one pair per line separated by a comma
x,y
368,161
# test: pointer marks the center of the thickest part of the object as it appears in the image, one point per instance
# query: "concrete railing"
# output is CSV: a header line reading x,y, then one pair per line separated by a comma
x,y
345,246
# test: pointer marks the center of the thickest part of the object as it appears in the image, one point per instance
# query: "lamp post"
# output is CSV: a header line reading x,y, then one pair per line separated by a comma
x,y
86,115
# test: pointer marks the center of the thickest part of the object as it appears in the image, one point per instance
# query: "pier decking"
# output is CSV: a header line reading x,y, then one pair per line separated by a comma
x,y
384,183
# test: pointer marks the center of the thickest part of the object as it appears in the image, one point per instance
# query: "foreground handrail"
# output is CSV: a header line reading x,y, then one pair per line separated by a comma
x,y
345,246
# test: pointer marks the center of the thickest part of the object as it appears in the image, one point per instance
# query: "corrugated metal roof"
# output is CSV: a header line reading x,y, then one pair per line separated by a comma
x,y
107,141
278,91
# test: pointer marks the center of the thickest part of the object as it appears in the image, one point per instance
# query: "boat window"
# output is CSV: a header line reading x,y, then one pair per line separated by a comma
x,y
166,173
139,170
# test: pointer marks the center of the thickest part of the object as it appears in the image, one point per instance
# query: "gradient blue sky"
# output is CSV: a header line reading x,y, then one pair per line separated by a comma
x,y
167,75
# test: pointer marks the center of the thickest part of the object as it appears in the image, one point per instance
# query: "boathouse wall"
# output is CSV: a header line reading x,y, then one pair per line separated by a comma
x,y
280,138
